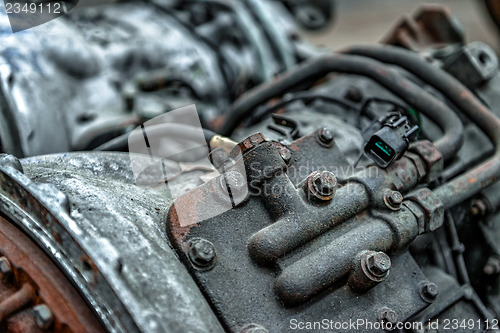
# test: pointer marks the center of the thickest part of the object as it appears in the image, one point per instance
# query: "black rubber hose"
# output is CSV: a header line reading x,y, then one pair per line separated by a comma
x,y
472,182
386,76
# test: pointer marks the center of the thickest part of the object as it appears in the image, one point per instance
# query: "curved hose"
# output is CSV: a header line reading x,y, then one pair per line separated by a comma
x,y
473,181
317,68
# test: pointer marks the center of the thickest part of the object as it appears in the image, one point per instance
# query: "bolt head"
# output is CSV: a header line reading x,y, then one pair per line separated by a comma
x,y
379,264
5,268
322,185
43,316
326,135
430,290
201,253
389,316
395,198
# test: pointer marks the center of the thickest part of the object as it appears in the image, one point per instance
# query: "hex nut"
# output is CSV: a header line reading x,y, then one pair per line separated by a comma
x,y
432,158
246,145
43,316
431,207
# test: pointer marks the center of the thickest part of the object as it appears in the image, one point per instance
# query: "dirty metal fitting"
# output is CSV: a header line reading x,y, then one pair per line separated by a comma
x,y
201,253
306,223
369,268
473,181
218,141
319,270
322,185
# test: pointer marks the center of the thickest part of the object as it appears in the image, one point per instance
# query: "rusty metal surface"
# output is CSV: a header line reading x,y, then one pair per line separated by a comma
x,y
305,249
123,281
32,269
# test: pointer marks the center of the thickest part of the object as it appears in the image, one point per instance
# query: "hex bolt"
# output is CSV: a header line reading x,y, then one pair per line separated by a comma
x,y
396,198
378,264
393,200
5,269
325,136
201,253
43,316
389,316
429,291
322,185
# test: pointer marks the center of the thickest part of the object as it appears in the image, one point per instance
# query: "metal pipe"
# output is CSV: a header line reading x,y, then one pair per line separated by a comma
x,y
462,187
319,270
317,68
293,230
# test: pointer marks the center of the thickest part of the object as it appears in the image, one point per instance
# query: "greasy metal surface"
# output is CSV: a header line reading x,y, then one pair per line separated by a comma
x,y
134,285
91,74
28,263
304,248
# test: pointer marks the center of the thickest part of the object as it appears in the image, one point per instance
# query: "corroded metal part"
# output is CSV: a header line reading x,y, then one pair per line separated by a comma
x,y
46,285
89,242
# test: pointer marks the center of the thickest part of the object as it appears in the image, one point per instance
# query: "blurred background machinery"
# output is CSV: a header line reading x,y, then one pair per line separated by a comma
x,y
360,184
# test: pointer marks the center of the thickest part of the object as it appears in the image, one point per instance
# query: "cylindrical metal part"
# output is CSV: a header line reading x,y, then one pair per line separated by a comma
x,y
291,231
319,270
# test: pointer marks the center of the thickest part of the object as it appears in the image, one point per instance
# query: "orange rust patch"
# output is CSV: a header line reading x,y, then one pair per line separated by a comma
x,y
472,180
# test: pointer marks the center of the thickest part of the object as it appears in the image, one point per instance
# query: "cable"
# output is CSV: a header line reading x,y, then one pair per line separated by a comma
x,y
472,182
317,68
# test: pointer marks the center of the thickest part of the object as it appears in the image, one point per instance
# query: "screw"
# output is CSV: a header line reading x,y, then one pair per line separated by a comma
x,y
201,253
43,316
388,315
378,264
5,268
325,136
